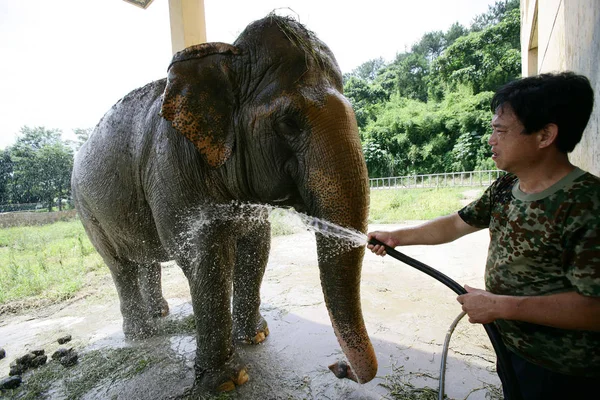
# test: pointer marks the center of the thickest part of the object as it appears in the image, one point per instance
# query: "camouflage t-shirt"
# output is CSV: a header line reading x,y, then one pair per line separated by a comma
x,y
541,244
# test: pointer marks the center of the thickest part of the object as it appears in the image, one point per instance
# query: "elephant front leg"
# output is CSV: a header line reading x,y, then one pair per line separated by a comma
x,y
217,366
251,260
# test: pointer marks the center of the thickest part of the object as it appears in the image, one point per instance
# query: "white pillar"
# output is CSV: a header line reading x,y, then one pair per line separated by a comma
x,y
188,25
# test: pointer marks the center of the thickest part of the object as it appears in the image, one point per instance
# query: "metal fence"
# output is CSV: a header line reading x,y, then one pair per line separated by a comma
x,y
447,179
5,208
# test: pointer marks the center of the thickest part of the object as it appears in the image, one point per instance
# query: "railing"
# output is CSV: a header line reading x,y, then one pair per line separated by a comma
x,y
447,179
6,208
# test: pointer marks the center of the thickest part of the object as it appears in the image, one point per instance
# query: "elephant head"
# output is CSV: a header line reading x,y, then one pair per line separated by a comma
x,y
267,114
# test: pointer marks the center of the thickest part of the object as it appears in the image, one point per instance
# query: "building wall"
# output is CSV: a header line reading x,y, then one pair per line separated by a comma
x,y
559,35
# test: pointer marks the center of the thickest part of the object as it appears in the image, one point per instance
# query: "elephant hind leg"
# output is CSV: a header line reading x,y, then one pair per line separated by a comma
x,y
251,261
137,320
151,287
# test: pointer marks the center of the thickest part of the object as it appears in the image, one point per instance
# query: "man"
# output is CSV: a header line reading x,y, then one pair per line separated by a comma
x,y
542,274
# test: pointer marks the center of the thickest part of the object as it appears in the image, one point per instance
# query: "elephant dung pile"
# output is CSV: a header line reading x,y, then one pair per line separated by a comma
x,y
35,359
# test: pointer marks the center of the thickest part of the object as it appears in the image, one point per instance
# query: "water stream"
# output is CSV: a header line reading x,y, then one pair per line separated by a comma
x,y
292,220
347,235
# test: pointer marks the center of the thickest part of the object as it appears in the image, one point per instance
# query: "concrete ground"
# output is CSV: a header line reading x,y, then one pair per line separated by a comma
x,y
406,312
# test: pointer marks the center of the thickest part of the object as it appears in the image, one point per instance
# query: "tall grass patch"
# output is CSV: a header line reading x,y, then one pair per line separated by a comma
x,y
50,261
398,205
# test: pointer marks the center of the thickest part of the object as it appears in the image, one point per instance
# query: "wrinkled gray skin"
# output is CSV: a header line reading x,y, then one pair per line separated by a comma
x,y
262,121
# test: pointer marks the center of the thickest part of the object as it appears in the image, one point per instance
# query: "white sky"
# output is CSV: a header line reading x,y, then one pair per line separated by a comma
x,y
64,63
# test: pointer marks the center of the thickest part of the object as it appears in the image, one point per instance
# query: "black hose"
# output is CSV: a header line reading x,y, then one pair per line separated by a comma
x,y
505,369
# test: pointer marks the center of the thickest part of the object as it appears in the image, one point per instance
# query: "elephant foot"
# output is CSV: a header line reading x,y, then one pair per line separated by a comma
x,y
255,335
161,310
224,379
241,378
138,328
164,309
158,308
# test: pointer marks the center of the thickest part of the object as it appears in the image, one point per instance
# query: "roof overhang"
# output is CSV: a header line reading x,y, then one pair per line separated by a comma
x,y
140,3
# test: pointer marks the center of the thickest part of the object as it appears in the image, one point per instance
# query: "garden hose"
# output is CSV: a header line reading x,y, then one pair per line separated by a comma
x,y
505,369
445,355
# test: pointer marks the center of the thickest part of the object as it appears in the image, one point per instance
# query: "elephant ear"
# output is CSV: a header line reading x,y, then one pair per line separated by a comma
x,y
199,99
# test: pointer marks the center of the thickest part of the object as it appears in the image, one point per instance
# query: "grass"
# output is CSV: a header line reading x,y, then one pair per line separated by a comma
x,y
179,326
50,261
400,387
398,205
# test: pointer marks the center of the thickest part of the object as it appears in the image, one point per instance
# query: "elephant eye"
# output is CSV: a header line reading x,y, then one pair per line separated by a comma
x,y
287,126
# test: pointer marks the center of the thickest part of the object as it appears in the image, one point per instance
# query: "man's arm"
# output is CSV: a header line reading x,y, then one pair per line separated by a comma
x,y
440,230
569,310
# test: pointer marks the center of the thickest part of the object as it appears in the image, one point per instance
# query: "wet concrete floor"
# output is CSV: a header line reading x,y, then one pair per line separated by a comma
x,y
406,312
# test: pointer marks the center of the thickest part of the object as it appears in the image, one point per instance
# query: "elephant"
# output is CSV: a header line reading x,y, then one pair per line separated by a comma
x,y
260,121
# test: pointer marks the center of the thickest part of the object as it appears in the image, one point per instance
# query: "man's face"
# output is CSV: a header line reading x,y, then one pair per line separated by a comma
x,y
512,149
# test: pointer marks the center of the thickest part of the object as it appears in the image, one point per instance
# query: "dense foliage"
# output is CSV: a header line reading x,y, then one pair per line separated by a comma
x,y
429,111
36,169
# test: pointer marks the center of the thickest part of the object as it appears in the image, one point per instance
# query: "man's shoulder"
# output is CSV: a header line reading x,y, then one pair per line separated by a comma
x,y
589,179
582,200
507,178
586,185
501,189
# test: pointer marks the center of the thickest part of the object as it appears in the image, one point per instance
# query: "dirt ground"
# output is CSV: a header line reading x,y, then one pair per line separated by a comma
x,y
406,312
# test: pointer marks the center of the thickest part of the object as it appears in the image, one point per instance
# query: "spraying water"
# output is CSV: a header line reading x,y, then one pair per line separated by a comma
x,y
329,229
261,213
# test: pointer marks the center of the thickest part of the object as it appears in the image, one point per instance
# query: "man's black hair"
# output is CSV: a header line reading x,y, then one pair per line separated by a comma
x,y
565,99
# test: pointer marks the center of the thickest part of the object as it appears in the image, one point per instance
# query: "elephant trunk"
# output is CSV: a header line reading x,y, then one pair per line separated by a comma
x,y
338,192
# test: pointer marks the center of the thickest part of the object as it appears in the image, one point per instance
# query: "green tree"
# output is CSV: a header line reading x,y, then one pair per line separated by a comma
x,y
82,134
483,59
409,136
54,180
6,170
468,115
379,161
494,15
364,97
454,32
431,45
367,71
42,165
411,76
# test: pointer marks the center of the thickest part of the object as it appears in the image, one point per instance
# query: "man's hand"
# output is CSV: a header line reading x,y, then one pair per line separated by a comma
x,y
567,310
384,237
482,307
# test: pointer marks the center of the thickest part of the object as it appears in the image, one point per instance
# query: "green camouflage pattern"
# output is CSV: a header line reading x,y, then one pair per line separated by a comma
x,y
541,244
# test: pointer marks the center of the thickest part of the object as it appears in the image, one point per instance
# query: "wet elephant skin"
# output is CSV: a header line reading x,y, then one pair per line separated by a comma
x,y
261,121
